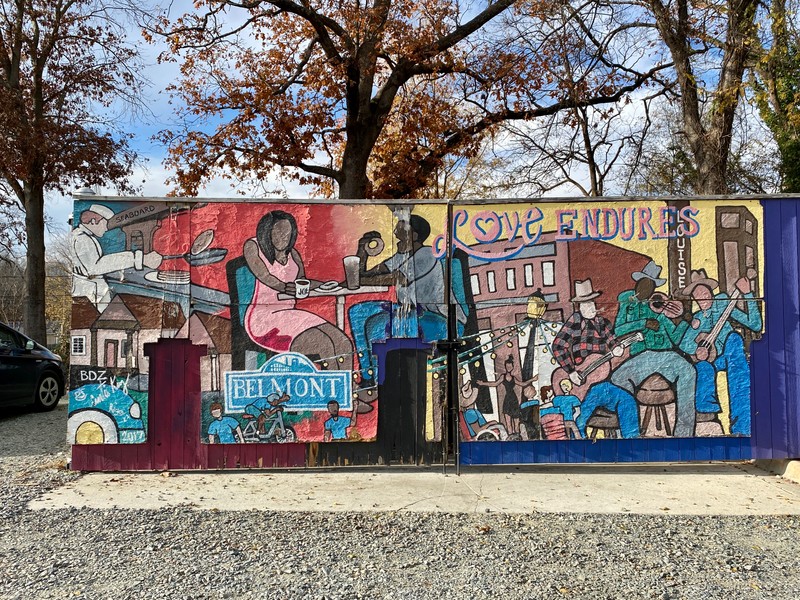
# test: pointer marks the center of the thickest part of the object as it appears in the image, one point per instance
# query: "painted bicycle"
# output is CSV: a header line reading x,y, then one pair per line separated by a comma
x,y
265,422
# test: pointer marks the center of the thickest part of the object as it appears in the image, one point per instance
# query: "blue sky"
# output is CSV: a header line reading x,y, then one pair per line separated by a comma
x,y
151,175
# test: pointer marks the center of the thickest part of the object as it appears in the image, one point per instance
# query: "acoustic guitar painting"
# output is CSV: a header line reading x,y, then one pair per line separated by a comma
x,y
595,367
705,348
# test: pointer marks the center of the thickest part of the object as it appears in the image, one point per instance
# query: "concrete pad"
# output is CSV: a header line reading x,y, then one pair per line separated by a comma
x,y
694,489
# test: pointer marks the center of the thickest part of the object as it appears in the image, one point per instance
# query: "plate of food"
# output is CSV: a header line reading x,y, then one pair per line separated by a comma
x,y
171,277
329,286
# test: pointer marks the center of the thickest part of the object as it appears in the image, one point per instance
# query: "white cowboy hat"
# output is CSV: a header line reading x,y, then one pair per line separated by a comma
x,y
651,271
584,291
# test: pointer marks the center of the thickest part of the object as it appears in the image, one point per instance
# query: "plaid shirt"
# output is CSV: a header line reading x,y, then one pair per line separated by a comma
x,y
579,337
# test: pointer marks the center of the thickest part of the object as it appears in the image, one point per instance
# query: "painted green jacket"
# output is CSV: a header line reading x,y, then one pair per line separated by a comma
x,y
632,317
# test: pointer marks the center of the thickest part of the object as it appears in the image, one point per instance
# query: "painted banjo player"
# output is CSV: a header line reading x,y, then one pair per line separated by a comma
x,y
716,347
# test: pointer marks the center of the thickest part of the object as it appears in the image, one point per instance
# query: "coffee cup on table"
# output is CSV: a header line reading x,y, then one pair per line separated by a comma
x,y
352,265
301,288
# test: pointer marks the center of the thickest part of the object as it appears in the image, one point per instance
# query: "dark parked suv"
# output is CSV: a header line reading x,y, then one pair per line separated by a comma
x,y
29,372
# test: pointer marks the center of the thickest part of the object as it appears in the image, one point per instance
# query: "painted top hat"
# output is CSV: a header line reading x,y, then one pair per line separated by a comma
x,y
584,291
651,271
699,277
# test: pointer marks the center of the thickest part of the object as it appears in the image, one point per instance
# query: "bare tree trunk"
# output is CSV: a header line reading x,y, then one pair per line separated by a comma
x,y
34,317
591,162
712,169
708,135
354,182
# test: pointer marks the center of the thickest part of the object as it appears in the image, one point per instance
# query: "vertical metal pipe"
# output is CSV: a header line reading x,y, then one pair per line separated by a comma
x,y
452,345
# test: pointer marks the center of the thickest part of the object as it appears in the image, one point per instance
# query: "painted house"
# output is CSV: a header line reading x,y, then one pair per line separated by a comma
x,y
214,333
119,333
83,337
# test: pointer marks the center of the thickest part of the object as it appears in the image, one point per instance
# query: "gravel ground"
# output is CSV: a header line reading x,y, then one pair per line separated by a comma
x,y
185,553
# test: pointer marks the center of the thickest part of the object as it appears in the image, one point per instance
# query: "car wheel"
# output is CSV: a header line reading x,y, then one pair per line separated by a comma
x,y
47,392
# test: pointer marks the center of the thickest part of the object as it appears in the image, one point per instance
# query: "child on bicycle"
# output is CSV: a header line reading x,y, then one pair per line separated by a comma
x,y
263,408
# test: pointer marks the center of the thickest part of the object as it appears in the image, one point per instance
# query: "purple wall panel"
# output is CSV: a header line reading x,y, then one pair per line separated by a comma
x,y
162,362
780,349
177,404
776,364
792,326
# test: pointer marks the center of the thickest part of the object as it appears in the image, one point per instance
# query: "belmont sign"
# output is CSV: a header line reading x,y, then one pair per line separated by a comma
x,y
293,374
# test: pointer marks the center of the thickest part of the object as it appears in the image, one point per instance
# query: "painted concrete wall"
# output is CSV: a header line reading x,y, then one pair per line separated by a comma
x,y
577,320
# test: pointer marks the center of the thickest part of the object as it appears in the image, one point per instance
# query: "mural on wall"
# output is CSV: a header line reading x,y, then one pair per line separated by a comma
x,y
592,320
290,301
619,320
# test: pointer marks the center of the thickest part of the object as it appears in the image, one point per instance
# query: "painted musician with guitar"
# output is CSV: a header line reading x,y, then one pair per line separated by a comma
x,y
645,325
584,348
715,346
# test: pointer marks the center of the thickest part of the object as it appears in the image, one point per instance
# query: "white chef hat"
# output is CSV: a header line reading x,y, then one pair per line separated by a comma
x,y
101,210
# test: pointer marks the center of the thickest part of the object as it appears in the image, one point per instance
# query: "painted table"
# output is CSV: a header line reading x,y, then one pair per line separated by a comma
x,y
192,296
340,293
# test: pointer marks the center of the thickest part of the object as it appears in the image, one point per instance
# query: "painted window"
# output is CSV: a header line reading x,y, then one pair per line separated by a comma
x,y
548,273
511,279
490,284
749,256
214,370
475,281
78,345
529,275
730,220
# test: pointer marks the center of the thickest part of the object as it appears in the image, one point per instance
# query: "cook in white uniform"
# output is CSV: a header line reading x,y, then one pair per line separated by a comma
x,y
90,264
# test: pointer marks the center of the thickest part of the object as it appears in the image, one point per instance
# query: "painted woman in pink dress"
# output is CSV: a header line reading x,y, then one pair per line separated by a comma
x,y
276,324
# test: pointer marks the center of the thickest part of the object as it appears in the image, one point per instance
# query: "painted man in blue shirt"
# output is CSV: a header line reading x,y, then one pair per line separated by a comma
x,y
728,346
223,430
336,426
418,278
569,406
